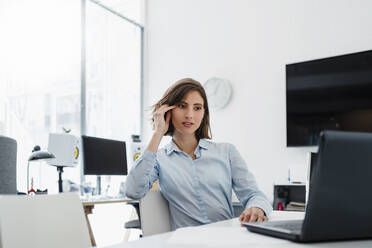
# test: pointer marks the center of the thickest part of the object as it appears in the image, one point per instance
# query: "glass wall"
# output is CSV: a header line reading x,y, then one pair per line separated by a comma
x,y
40,76
113,79
113,48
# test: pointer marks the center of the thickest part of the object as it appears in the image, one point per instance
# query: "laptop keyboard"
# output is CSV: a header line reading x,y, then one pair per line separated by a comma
x,y
294,226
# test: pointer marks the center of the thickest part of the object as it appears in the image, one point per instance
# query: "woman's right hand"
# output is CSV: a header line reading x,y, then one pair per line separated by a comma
x,y
161,124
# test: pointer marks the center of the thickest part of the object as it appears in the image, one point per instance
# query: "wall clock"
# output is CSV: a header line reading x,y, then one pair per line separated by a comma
x,y
218,92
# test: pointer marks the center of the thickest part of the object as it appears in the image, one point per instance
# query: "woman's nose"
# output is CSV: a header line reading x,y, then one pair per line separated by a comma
x,y
189,113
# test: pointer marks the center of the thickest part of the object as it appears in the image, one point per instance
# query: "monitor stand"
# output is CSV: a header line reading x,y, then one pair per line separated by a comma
x,y
98,185
60,181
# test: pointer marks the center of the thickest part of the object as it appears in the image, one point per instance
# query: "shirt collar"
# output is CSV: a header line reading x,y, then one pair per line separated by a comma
x,y
171,147
204,144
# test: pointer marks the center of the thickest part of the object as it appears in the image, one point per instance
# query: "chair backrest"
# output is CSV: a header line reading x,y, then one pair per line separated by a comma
x,y
154,211
43,221
8,165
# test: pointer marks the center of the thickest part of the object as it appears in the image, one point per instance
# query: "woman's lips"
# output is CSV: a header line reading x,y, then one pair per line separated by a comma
x,y
187,124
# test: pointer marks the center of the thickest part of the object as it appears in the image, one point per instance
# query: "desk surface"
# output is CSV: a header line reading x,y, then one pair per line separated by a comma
x,y
229,233
104,200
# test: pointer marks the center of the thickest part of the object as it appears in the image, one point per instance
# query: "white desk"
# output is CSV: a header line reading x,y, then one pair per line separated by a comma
x,y
230,234
88,206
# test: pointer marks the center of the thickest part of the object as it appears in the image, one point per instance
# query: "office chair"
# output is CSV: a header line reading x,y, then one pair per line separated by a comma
x,y
8,165
154,214
133,224
238,208
136,224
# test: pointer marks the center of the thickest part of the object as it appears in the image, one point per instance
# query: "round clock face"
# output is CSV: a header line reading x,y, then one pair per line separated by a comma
x,y
218,92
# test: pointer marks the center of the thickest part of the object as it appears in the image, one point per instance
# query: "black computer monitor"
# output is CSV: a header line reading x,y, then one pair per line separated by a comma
x,y
104,156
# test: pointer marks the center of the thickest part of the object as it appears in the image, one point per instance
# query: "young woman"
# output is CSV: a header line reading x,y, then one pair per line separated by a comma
x,y
195,175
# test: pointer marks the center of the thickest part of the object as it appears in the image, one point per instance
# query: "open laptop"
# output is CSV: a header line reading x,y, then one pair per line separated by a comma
x,y
43,221
340,197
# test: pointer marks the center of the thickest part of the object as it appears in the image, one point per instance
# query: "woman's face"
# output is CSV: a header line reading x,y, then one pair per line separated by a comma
x,y
189,113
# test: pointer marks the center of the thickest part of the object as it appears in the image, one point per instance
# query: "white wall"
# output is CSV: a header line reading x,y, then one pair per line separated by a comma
x,y
249,43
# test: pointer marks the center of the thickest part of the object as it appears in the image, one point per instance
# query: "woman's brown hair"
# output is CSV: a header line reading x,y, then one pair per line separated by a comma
x,y
175,94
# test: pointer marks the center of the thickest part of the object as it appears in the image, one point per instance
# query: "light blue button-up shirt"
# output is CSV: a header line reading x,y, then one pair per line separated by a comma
x,y
198,191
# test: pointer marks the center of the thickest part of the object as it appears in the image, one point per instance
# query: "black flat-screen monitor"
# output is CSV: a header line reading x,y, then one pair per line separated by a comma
x,y
333,93
104,156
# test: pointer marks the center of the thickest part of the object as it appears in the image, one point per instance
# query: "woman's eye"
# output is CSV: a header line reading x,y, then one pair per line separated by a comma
x,y
197,108
181,106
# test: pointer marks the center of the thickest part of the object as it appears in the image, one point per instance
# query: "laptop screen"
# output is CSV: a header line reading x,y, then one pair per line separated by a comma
x,y
313,162
56,221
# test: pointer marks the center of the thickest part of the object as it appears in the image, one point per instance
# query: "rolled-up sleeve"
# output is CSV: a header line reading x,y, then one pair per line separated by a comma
x,y
244,184
143,174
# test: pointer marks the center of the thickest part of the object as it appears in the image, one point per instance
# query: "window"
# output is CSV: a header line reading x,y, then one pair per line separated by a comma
x,y
113,78
41,75
113,55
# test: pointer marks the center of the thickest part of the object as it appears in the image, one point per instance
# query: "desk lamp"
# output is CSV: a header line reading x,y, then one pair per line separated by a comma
x,y
37,155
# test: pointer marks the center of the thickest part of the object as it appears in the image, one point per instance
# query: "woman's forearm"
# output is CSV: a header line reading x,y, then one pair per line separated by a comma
x,y
154,142
141,177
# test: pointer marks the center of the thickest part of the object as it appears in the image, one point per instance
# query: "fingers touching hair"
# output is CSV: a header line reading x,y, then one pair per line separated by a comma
x,y
175,93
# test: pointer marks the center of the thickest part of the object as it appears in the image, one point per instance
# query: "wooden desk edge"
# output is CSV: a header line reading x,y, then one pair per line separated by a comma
x,y
94,202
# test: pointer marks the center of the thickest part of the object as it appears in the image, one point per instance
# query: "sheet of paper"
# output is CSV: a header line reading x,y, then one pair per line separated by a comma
x,y
220,236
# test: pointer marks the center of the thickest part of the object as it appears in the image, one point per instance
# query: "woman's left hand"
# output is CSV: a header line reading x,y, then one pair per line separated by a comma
x,y
253,214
